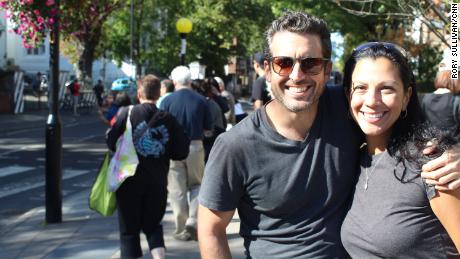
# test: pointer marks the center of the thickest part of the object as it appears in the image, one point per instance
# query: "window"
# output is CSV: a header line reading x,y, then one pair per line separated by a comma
x,y
39,50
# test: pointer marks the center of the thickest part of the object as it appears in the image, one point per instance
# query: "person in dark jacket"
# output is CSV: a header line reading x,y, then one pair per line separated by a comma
x,y
141,199
442,107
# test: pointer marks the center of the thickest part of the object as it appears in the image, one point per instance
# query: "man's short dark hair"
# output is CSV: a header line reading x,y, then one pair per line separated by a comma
x,y
301,23
168,84
150,87
259,58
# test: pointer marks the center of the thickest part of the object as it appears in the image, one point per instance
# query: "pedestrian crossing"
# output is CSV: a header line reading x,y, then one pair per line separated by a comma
x,y
16,170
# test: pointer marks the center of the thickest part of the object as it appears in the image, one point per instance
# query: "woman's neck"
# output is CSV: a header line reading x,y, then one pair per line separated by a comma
x,y
377,144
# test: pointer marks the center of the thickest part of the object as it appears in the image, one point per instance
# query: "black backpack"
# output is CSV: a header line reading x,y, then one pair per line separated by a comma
x,y
71,87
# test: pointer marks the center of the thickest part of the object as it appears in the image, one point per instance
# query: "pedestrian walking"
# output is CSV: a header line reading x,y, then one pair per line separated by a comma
x,y
75,92
167,87
289,167
99,91
230,115
184,179
141,199
442,107
36,83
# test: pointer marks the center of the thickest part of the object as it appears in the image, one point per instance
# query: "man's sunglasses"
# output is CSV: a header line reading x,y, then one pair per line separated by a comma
x,y
389,46
283,66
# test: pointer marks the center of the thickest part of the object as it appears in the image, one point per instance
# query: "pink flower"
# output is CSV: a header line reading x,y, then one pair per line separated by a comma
x,y
51,21
37,12
49,2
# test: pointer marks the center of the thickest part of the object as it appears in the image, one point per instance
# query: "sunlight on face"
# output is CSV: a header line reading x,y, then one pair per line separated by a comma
x,y
377,97
297,91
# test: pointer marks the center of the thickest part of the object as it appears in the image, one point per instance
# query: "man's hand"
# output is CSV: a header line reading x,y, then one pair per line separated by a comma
x,y
212,237
444,171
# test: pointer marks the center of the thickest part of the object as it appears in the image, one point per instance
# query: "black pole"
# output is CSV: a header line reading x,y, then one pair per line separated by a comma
x,y
53,166
182,48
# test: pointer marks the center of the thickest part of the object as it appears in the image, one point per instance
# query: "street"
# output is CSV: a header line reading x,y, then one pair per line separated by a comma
x,y
22,164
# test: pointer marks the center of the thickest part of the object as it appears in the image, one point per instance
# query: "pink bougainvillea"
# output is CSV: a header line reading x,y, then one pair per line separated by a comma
x,y
31,18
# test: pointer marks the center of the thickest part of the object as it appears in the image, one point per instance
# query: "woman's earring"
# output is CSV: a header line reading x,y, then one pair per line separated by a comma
x,y
403,114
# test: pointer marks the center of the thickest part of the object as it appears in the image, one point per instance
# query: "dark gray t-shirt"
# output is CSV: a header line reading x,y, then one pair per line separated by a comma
x,y
291,196
392,219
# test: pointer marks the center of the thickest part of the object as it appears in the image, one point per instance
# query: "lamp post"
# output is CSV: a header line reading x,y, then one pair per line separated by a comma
x,y
53,193
183,26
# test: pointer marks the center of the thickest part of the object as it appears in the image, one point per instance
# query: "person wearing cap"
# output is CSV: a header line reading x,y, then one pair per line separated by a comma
x,y
260,94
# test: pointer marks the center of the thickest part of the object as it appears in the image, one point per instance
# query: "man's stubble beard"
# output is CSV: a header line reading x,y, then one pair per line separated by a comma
x,y
279,97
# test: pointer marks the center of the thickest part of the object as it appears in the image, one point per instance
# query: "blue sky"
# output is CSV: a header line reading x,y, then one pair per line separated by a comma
x,y
337,45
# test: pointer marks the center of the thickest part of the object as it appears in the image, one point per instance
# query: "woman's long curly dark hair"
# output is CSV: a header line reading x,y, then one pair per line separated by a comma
x,y
409,133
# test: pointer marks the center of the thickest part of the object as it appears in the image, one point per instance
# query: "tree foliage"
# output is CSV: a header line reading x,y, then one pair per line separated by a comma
x,y
215,26
82,26
433,14
80,23
31,18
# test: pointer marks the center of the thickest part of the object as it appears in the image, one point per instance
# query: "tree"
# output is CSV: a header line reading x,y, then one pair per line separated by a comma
x,y
81,24
432,13
398,17
215,24
31,19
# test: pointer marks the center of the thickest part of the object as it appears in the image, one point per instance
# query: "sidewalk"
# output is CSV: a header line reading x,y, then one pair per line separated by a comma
x,y
85,234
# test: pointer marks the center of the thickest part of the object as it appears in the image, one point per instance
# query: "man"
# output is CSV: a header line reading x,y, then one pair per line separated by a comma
x,y
167,87
75,92
230,115
290,167
141,198
260,94
36,84
191,111
98,91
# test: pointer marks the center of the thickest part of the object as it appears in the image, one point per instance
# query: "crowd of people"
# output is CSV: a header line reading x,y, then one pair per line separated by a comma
x,y
359,170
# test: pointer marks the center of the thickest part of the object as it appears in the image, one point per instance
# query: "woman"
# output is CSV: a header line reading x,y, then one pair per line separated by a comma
x,y
394,214
442,107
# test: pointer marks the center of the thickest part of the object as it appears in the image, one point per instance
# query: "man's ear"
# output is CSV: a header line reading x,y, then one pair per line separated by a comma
x,y
139,94
268,72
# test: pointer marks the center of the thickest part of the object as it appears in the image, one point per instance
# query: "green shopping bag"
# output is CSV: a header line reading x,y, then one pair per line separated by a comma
x,y
100,199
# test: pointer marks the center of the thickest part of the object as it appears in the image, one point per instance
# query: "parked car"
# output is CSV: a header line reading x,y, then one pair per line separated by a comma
x,y
122,84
